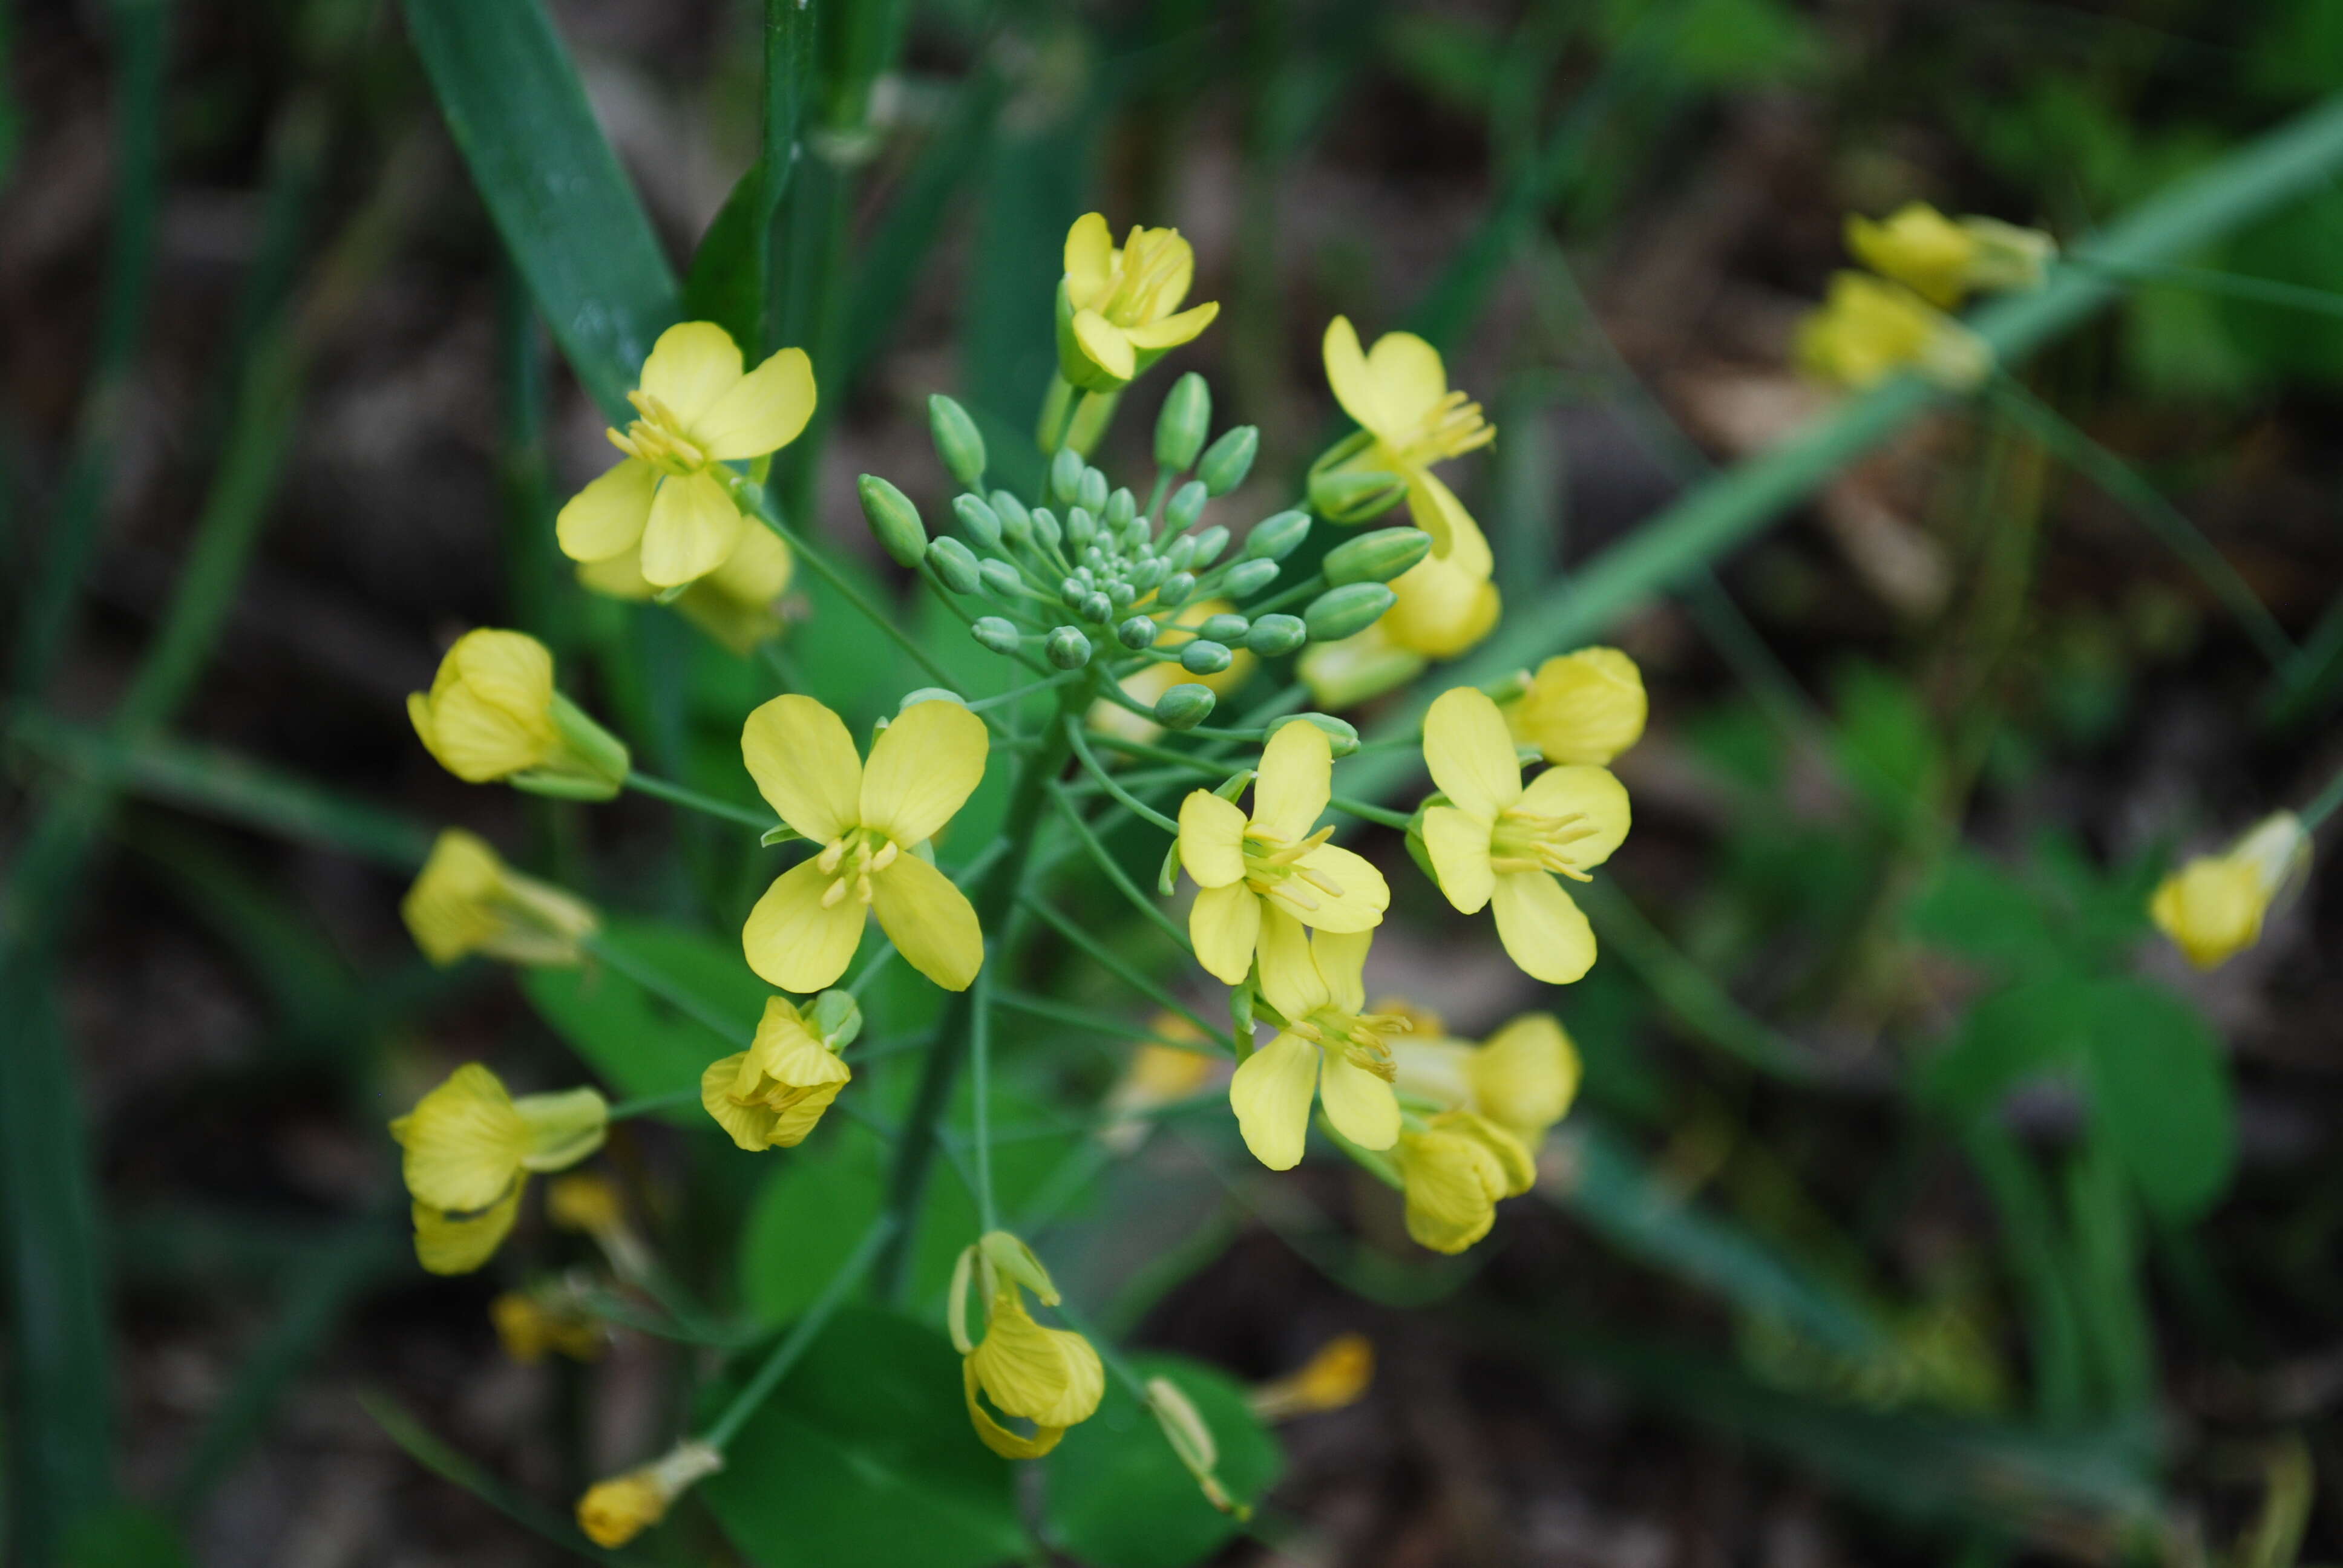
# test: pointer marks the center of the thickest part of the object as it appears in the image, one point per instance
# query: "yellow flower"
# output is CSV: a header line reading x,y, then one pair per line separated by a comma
x,y
734,604
1455,1171
492,713
1582,707
616,1511
1149,681
697,412
2213,905
1247,866
532,1323
1330,1045
1408,421
1942,260
1493,841
467,901
770,1095
1522,1078
870,822
1870,328
1119,310
1338,1375
1050,1377
469,1148
1439,611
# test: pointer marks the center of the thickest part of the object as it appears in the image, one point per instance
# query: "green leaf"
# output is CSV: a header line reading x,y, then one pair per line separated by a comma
x,y
721,285
1981,911
864,1455
1887,744
644,1043
2007,1037
1119,1498
123,1535
2160,1096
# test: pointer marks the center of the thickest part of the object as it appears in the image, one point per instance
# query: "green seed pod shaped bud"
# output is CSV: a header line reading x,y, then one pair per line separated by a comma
x,y
999,577
1180,428
1223,628
1340,733
1354,495
1016,522
1138,534
1187,506
1210,544
1274,636
1180,553
983,522
957,441
955,565
1092,491
1176,590
995,632
1273,537
1202,658
1227,461
1149,575
1096,607
1073,590
894,519
1184,707
1067,648
1136,633
1081,528
1377,557
927,694
1248,578
1120,508
836,1018
1346,611
1121,593
1045,528
1066,475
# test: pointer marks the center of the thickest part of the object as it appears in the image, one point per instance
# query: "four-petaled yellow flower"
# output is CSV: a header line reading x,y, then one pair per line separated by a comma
x,y
469,1149
1869,329
1521,1078
1942,260
1583,707
614,1512
696,412
770,1095
1493,841
1119,310
1248,867
467,901
1330,1047
870,823
735,604
492,713
1409,419
2214,905
1050,1377
1454,1170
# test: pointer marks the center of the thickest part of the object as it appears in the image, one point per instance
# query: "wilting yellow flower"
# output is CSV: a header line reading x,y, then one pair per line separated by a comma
x,y
1149,681
467,901
696,412
1438,610
532,1323
1246,866
1050,1377
870,822
1493,841
1184,1427
616,1511
2214,905
1869,329
1119,310
770,1095
1336,1376
1941,259
492,713
735,604
469,1148
1583,708
1331,1046
1408,421
1523,1078
1454,1170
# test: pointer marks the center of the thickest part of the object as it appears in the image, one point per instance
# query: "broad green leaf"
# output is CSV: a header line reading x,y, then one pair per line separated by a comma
x,y
1119,1497
864,1456
2160,1096
647,1043
2011,1035
1981,911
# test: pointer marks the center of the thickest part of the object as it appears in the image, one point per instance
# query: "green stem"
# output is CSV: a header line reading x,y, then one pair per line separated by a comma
x,y
803,1334
1057,414
788,29
667,991
1092,417
2237,286
1399,819
1095,1022
676,794
1116,874
2323,806
1090,761
645,1104
980,1056
1108,960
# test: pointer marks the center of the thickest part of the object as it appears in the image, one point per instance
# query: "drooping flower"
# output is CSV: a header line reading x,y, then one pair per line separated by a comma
x,y
467,901
1119,309
870,822
1521,1078
1943,259
1439,611
1408,419
1583,708
614,1512
1493,841
470,1147
492,713
1338,1375
1247,866
1454,1170
1331,1049
1050,1377
736,603
772,1094
696,412
1869,329
547,1319
2213,907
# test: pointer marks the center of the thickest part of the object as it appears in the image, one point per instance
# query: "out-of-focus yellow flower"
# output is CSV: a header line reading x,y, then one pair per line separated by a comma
x,y
1523,1078
735,604
1408,421
1439,611
1942,260
589,1203
1050,1377
1454,1170
772,1094
1149,681
467,901
1119,310
1338,1375
614,1512
492,713
531,1325
2214,905
697,411
1493,841
469,1148
1330,1047
1583,707
1158,1075
870,822
1246,866
1868,328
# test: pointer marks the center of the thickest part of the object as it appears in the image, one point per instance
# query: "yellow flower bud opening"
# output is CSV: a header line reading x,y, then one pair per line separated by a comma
x,y
468,1147
1338,1375
773,1095
2213,907
467,901
1454,1172
1583,707
1943,259
492,713
614,1512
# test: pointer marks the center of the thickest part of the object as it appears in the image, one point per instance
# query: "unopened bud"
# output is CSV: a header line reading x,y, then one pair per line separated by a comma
x,y
1180,428
1081,528
1016,522
957,440
999,577
1136,633
1187,506
1210,544
1377,557
1045,528
1120,508
1176,589
917,695
1150,574
894,519
1093,490
1273,537
1202,658
1180,553
1341,734
1274,636
955,564
1119,594
836,1018
1346,611
1223,628
1228,460
1096,607
1068,648
1354,495
1066,474
983,522
1184,707
1249,577
995,632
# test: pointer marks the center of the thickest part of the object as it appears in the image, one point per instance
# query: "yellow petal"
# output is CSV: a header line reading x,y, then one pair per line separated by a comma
x,y
1050,1377
693,527
1470,754
1518,1165
1289,970
1361,1105
1453,1185
792,940
463,1142
1456,539
1271,1096
607,518
1224,924
1104,345
929,919
480,739
1364,896
621,576
1296,779
787,1051
692,364
1458,844
1089,259
562,1127
1341,960
921,769
1348,672
1543,929
1595,796
2212,907
1438,610
996,1437
1409,380
763,412
1525,1078
758,570
805,766
750,1125
1174,330
1212,839
1347,375
458,1243
1585,706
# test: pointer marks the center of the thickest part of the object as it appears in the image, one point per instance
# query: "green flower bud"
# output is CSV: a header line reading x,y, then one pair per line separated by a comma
x,y
1073,590
957,441
1341,732
1377,557
1274,636
1210,544
1081,528
1346,611
1180,428
1067,648
1136,633
955,565
1001,578
1120,508
1092,492
1354,495
1187,506
1176,589
1096,607
995,632
1273,537
1202,658
1045,528
1149,575
927,694
1016,522
1066,474
1228,460
1180,553
983,522
1184,707
1223,628
1119,594
894,519
836,1018
1248,578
